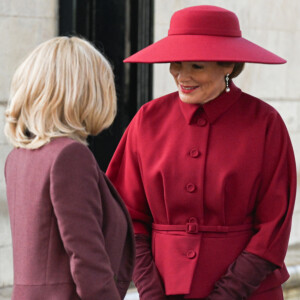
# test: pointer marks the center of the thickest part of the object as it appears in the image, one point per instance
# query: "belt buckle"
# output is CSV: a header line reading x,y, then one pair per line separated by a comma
x,y
192,227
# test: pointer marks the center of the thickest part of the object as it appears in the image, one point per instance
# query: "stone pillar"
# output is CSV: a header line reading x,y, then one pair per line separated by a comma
x,y
23,25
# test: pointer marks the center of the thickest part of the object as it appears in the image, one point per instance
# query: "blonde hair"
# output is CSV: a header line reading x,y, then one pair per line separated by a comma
x,y
64,88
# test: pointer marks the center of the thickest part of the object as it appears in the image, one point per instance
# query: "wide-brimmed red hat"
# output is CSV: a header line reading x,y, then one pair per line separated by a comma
x,y
204,33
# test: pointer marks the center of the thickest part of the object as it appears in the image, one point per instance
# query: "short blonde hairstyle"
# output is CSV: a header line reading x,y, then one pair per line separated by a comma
x,y
65,87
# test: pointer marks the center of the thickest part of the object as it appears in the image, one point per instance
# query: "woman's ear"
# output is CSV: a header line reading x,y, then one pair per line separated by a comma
x,y
228,69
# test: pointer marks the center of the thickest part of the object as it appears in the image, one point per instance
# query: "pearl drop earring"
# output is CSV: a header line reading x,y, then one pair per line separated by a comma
x,y
227,89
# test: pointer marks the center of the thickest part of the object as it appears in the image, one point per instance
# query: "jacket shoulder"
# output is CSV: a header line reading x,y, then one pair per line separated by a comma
x,y
152,111
61,143
51,150
66,149
258,105
156,110
159,103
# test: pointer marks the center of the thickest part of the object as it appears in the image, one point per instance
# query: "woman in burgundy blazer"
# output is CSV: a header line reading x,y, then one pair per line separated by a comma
x,y
207,172
72,235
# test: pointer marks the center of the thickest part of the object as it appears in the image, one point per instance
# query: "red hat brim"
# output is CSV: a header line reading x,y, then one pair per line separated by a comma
x,y
204,48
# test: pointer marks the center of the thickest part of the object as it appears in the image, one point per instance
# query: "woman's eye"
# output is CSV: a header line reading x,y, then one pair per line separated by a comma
x,y
197,66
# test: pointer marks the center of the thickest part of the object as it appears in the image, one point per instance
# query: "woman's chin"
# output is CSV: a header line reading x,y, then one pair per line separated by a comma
x,y
188,98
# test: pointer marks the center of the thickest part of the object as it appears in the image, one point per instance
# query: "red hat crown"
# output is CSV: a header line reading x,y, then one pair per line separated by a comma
x,y
204,33
201,20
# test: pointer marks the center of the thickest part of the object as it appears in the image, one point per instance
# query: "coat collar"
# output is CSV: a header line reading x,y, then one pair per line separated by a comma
x,y
212,109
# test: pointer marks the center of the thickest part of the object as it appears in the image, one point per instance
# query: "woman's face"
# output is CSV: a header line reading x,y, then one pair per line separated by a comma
x,y
199,82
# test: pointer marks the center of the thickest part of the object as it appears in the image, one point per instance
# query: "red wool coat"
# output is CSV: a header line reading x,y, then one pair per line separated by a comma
x,y
208,182
72,235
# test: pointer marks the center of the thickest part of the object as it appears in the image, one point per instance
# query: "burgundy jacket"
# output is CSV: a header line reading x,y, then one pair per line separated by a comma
x,y
207,182
72,235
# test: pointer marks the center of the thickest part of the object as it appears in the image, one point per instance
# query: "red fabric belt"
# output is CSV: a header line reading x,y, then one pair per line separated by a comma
x,y
192,227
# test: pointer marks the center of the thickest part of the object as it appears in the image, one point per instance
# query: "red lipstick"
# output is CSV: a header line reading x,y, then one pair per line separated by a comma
x,y
187,89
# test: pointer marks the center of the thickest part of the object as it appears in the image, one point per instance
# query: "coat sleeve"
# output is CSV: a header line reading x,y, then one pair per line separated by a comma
x,y
125,172
272,222
276,195
77,206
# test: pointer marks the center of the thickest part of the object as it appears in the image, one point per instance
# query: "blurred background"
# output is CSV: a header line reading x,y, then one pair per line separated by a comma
x,y
121,27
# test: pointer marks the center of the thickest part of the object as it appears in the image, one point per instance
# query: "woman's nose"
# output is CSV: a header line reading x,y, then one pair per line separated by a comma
x,y
183,74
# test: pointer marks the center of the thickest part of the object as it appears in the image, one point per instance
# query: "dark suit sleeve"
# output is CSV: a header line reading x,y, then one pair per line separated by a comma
x,y
77,206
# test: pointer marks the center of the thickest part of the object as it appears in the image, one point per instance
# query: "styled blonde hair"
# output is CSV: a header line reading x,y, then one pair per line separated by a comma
x,y
65,87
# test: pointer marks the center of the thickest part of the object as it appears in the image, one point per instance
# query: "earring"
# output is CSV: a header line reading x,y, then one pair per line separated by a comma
x,y
227,89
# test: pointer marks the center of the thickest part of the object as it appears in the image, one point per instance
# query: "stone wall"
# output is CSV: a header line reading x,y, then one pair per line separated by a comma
x,y
23,25
275,25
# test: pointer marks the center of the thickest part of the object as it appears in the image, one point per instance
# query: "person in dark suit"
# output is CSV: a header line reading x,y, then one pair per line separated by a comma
x,y
72,235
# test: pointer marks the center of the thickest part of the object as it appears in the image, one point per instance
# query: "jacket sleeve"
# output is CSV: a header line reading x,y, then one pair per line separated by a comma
x,y
276,196
125,172
272,220
77,206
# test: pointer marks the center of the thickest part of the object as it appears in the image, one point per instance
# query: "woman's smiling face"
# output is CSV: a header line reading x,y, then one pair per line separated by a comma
x,y
199,82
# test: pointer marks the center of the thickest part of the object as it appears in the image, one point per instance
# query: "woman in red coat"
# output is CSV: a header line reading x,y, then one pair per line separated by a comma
x,y
208,172
72,235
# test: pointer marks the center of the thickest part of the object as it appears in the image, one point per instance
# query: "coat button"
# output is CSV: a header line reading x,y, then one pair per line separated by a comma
x,y
201,122
191,254
194,153
190,187
193,220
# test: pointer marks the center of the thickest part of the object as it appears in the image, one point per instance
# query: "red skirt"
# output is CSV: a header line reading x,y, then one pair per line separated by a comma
x,y
274,294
